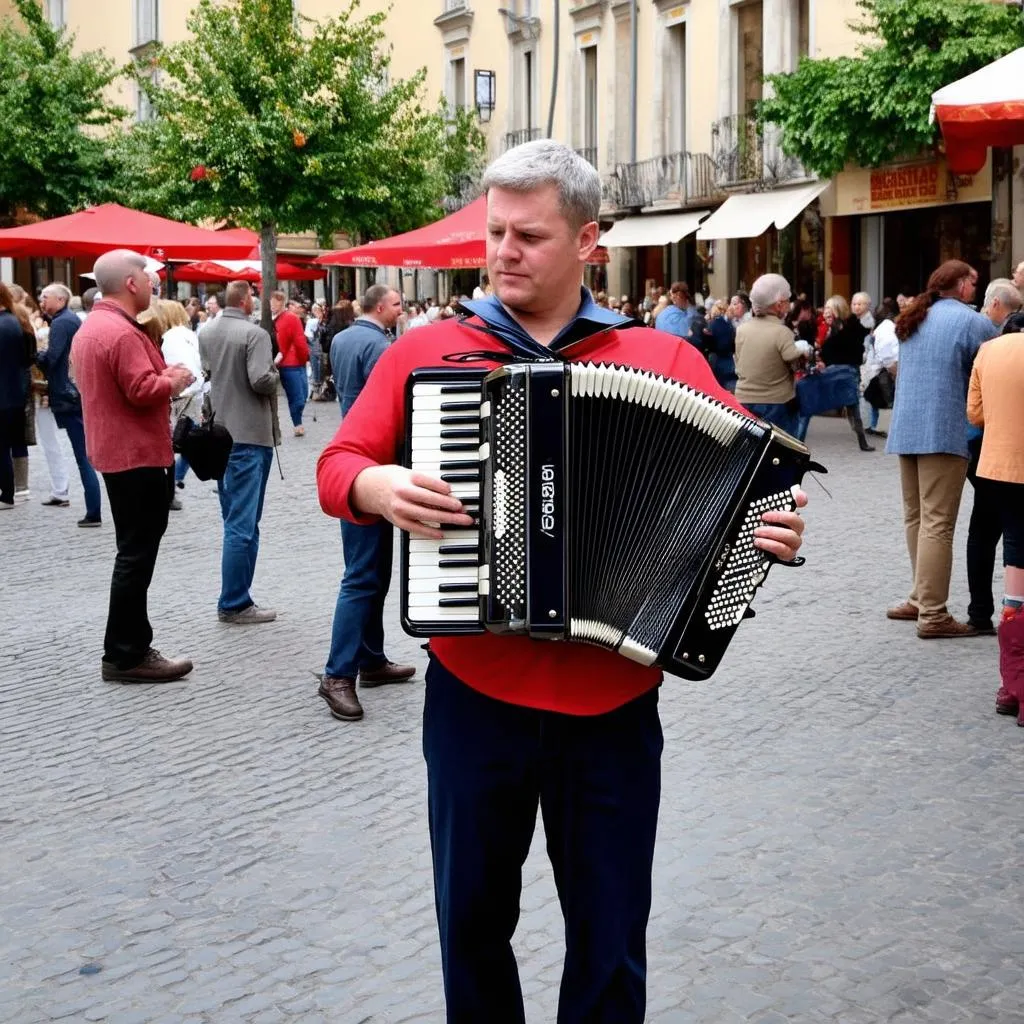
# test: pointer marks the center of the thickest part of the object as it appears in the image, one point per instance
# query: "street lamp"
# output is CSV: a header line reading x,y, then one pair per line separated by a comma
x,y
483,93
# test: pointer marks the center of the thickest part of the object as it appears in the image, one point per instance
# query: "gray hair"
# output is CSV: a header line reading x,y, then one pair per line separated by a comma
x,y
543,162
60,290
1004,291
861,295
375,295
113,267
768,290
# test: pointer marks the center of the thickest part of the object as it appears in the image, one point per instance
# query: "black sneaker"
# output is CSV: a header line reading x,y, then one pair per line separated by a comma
x,y
90,522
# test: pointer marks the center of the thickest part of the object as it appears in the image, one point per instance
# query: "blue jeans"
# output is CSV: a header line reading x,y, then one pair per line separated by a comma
x,y
778,414
357,638
242,490
72,423
597,781
181,468
296,389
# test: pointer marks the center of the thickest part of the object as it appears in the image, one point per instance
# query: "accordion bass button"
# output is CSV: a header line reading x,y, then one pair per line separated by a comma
x,y
552,614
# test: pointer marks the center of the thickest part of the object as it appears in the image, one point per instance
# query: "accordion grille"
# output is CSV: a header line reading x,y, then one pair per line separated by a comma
x,y
655,468
508,582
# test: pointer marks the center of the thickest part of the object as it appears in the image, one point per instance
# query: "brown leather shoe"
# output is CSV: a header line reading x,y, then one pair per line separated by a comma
x,y
154,668
905,612
341,698
389,672
946,628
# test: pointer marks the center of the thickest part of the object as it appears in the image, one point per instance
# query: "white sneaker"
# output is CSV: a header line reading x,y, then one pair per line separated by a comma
x,y
23,495
6,504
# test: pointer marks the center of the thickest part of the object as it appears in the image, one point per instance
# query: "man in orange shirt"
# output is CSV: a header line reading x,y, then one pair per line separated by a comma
x,y
510,723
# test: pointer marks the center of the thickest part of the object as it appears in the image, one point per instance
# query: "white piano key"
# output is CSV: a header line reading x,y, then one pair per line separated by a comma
x,y
434,468
431,558
432,613
450,537
428,403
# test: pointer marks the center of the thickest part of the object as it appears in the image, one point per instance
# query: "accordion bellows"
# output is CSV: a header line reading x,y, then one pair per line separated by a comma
x,y
616,507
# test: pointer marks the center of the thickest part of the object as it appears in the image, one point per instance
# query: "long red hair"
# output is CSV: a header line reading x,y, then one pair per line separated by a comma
x,y
943,281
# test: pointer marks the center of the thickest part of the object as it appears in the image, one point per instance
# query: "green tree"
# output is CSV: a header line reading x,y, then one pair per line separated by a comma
x,y
874,107
53,110
279,123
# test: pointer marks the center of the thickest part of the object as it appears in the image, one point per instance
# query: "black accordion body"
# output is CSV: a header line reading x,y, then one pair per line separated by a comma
x,y
614,507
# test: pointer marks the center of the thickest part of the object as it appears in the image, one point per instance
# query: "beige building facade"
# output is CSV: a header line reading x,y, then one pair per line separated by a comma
x,y
671,130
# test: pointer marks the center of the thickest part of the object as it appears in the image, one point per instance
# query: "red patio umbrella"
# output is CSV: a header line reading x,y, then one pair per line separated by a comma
x,y
243,270
455,242
984,109
110,226
208,270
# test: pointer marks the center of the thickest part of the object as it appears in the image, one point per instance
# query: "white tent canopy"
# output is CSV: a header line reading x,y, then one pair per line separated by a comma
x,y
653,229
750,214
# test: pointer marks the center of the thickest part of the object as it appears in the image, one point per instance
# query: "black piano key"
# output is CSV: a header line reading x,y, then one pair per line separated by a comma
x,y
460,464
460,389
457,549
454,419
454,446
458,602
461,478
451,433
473,407
459,526
457,588
458,563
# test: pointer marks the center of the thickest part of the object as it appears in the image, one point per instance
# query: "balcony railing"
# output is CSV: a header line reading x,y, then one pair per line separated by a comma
x,y
589,153
746,152
680,178
453,5
521,135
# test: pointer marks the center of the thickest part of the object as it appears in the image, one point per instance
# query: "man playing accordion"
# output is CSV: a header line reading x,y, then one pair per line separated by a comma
x,y
510,723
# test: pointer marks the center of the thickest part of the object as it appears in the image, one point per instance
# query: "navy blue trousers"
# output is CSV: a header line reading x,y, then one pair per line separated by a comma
x,y
597,781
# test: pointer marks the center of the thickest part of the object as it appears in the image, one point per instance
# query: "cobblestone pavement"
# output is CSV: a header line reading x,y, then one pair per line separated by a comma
x,y
838,838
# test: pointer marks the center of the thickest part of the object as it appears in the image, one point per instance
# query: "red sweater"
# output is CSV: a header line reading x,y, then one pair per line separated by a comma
x,y
572,678
126,403
291,340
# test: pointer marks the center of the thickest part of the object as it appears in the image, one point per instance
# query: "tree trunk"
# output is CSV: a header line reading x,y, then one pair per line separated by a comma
x,y
268,272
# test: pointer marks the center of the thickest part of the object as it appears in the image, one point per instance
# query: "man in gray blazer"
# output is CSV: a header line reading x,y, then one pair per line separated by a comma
x,y
238,359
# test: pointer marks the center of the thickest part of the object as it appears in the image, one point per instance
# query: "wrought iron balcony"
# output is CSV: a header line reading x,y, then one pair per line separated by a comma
x,y
589,153
521,135
679,178
748,153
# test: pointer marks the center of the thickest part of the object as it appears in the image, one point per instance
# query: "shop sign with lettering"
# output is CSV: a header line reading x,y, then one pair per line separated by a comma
x,y
904,187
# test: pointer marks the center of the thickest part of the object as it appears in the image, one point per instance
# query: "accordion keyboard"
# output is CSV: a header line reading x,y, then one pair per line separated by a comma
x,y
440,577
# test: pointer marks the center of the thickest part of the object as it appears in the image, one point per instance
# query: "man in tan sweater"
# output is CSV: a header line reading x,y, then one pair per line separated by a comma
x,y
767,355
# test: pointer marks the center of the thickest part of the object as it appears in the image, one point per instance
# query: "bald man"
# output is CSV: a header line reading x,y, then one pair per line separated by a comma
x,y
126,393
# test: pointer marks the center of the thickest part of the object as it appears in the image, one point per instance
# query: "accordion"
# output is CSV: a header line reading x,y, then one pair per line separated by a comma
x,y
612,506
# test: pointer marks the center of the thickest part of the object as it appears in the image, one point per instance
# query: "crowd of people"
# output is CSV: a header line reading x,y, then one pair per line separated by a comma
x,y
117,373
